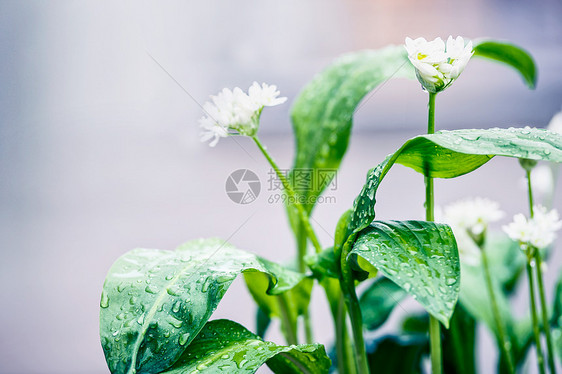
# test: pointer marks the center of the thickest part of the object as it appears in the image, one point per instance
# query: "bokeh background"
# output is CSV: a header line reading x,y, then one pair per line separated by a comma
x,y
99,149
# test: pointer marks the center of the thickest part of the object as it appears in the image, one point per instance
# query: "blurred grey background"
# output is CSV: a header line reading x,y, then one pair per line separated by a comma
x,y
99,149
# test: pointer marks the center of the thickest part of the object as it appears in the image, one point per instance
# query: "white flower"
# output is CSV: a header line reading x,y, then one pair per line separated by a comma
x,y
265,95
538,232
555,123
469,219
235,112
438,65
473,215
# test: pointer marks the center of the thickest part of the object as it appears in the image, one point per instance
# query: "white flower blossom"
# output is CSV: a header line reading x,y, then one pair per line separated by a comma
x,y
538,232
469,219
438,64
473,215
235,112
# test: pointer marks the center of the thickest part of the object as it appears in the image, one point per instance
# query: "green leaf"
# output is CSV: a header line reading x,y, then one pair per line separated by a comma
x,y
511,55
378,301
224,346
449,154
155,302
419,256
398,354
322,114
288,307
323,264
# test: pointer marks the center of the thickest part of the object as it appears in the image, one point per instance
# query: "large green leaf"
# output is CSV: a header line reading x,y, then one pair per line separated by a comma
x,y
509,54
378,301
322,114
419,256
224,346
155,302
449,154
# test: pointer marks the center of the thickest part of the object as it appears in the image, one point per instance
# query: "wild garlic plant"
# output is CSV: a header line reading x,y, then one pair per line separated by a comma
x,y
156,305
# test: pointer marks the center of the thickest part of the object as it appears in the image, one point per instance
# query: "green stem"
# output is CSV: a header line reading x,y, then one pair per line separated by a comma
x,y
540,357
293,198
347,285
435,345
434,327
530,189
344,352
301,247
504,344
540,283
289,326
544,309
304,221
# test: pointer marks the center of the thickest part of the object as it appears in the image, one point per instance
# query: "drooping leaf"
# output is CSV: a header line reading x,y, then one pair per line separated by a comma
x,y
378,301
511,55
322,114
419,256
397,354
224,346
449,154
154,303
287,307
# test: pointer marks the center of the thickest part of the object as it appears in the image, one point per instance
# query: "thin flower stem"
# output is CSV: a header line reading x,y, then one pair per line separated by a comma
x,y
530,189
434,327
540,283
292,197
540,357
347,285
505,346
304,221
544,310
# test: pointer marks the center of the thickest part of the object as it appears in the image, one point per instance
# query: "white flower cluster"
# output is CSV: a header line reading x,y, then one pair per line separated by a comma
x,y
438,65
538,232
236,112
469,219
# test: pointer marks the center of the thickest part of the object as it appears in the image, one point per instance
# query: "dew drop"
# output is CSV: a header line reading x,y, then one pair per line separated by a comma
x,y
183,339
104,302
151,289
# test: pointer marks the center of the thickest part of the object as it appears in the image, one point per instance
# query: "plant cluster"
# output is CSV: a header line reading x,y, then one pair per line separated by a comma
x,y
156,305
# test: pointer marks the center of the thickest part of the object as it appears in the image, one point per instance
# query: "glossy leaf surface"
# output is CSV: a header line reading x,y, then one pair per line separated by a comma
x,y
154,303
224,346
419,256
322,114
449,154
